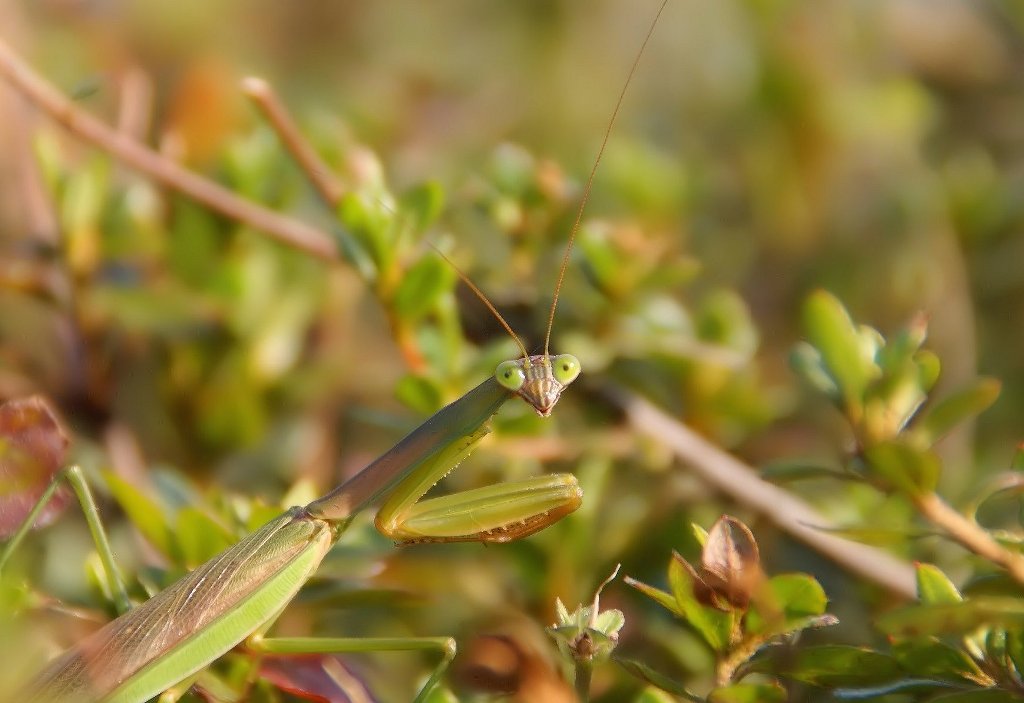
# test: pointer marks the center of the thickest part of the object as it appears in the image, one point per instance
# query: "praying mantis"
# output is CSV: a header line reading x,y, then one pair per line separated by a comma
x,y
237,595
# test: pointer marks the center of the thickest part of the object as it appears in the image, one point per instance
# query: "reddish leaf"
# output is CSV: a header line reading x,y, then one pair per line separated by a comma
x,y
32,449
320,678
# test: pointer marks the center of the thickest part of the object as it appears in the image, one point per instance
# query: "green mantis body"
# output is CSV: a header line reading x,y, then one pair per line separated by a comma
x,y
236,595
218,605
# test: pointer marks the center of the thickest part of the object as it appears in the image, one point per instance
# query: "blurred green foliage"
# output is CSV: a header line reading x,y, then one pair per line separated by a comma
x,y
766,150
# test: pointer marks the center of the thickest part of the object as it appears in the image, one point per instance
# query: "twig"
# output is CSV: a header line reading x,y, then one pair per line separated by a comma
x,y
130,152
786,510
318,172
969,535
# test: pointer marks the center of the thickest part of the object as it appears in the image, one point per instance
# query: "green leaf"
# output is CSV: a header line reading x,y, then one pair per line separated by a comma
x,y
787,471
646,673
954,409
724,318
715,626
369,221
146,515
827,665
927,657
806,361
928,368
419,393
829,328
958,618
933,587
657,595
787,603
905,684
1015,649
1018,458
423,204
655,695
799,594
421,287
748,693
877,535
912,471
600,261
904,345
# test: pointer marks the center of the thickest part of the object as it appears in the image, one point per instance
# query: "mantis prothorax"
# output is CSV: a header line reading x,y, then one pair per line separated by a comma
x,y
235,596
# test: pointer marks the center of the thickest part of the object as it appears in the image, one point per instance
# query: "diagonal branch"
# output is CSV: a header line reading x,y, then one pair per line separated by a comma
x,y
789,512
281,227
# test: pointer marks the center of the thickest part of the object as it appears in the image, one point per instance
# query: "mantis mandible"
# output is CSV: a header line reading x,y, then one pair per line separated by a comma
x,y
236,595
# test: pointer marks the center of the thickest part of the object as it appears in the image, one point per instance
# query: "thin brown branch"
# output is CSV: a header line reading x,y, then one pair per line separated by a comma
x,y
130,152
786,510
317,171
969,534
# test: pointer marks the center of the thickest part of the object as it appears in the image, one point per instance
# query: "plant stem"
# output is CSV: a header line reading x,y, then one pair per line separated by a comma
x,y
584,672
969,534
285,229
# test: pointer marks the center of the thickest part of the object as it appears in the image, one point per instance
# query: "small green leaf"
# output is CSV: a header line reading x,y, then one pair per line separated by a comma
x,y
1015,649
1018,458
419,393
699,533
656,695
927,657
827,665
423,204
829,328
601,263
957,618
748,693
903,345
933,587
421,287
788,602
369,220
715,626
657,595
146,515
907,469
928,368
789,471
905,684
646,673
806,361
956,408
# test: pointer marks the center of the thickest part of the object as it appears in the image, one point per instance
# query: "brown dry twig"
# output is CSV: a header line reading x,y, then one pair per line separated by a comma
x,y
318,172
162,170
789,512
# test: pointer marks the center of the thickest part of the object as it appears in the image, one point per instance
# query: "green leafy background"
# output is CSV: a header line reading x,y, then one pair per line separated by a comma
x,y
766,149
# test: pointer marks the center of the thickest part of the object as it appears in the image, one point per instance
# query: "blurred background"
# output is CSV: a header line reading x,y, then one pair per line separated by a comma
x,y
765,149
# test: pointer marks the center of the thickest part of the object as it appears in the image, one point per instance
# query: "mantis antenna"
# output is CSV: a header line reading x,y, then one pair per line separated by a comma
x,y
483,298
590,179
576,223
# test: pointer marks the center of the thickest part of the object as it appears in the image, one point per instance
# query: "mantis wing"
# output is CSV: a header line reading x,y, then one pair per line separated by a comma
x,y
190,624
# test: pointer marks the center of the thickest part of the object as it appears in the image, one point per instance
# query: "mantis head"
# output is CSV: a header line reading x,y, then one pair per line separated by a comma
x,y
540,379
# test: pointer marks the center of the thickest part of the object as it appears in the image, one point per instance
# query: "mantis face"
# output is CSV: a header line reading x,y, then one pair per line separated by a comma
x,y
539,380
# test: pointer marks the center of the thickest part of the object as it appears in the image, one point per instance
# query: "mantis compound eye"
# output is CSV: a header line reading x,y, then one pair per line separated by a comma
x,y
510,375
565,368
